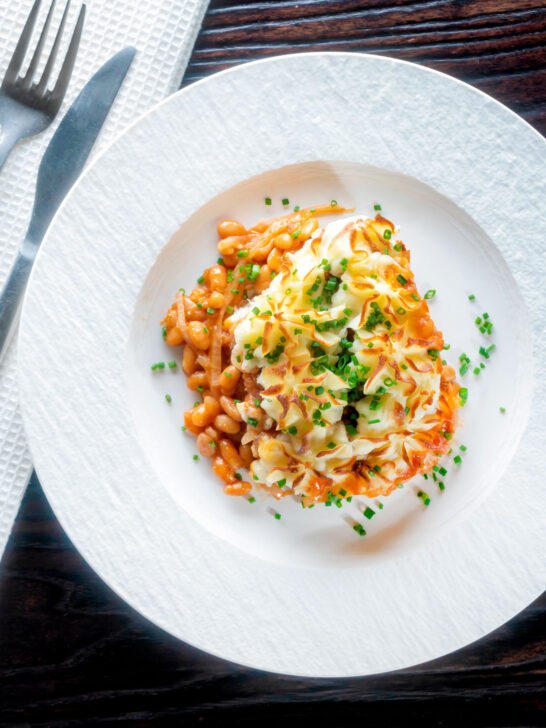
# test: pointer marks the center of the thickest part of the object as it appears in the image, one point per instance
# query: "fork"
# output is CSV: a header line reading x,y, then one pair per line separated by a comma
x,y
27,108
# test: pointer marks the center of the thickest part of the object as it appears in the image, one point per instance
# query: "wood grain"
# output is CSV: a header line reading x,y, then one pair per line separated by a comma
x,y
73,654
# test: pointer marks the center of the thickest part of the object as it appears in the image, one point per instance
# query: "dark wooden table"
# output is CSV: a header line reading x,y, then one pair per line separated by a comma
x,y
73,654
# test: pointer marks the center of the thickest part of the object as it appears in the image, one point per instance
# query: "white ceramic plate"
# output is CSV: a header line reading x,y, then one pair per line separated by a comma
x,y
462,177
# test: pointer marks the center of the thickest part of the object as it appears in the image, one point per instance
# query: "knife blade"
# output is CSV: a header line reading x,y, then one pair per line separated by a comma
x,y
61,165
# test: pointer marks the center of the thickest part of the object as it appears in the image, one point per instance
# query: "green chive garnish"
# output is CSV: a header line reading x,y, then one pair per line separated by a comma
x,y
267,202
168,398
430,294
424,497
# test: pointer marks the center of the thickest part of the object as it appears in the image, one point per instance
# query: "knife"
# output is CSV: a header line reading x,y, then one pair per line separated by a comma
x,y
60,167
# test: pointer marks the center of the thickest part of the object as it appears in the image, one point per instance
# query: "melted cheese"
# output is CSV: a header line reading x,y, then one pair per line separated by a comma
x,y
350,365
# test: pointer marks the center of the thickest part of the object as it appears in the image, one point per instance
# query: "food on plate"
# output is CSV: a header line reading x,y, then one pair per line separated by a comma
x,y
318,365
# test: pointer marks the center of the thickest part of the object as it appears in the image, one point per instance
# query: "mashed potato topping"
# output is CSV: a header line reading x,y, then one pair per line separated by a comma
x,y
350,366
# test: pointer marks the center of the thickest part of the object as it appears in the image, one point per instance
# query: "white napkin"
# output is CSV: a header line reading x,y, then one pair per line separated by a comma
x,y
163,31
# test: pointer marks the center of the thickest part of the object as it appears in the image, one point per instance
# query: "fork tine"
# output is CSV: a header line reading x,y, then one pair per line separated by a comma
x,y
21,47
59,90
40,88
39,47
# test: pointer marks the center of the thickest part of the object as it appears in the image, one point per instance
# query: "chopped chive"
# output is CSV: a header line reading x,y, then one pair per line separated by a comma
x,y
463,448
502,409
397,247
457,459
164,332
387,234
168,398
373,422
424,497
252,499
359,529
278,516
196,457
285,201
210,311
229,310
377,207
238,476
369,513
415,297
441,485
242,254
268,200
333,203
471,297
443,472
205,330
430,294
201,279
252,421
257,402
158,365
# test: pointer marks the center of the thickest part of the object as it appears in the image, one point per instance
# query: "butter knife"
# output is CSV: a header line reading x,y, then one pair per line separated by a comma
x,y
60,167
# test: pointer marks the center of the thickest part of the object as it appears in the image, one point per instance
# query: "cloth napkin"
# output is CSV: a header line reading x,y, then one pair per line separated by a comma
x,y
163,31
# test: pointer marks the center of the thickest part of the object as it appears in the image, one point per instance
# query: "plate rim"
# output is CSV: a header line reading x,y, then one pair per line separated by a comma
x,y
21,373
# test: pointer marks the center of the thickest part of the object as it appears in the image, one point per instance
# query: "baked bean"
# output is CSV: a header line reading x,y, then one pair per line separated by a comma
x,y
284,241
239,488
224,423
206,446
274,259
197,379
198,295
190,426
188,361
197,335
193,311
260,227
216,299
230,261
245,453
229,379
228,246
230,408
217,278
211,432
171,318
222,470
174,337
230,227
264,279
204,414
229,452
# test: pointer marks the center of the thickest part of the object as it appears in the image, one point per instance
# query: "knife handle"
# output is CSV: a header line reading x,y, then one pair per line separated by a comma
x,y
11,298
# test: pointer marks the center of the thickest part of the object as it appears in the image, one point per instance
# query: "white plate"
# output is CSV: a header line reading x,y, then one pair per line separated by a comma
x,y
462,176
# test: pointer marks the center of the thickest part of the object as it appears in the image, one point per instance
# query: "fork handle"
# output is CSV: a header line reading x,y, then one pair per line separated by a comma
x,y
11,298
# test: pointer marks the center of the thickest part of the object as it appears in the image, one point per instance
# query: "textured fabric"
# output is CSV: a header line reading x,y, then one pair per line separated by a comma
x,y
163,31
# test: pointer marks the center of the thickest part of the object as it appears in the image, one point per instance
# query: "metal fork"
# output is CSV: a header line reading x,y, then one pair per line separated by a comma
x,y
27,108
